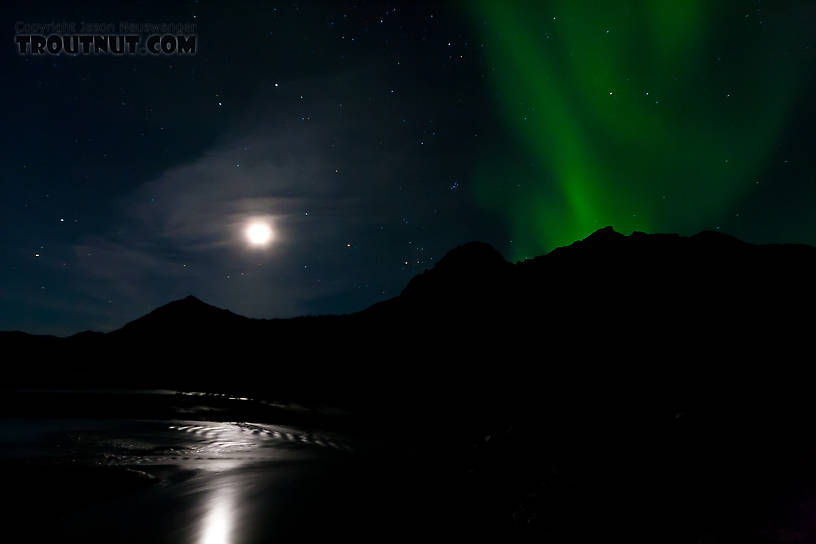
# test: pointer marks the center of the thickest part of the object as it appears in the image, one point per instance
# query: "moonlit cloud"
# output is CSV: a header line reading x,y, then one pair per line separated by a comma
x,y
193,218
357,209
184,232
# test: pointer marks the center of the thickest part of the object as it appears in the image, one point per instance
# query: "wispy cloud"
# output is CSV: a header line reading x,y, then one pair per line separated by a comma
x,y
182,233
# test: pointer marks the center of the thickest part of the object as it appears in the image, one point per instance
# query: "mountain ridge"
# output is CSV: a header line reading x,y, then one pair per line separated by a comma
x,y
475,323
470,263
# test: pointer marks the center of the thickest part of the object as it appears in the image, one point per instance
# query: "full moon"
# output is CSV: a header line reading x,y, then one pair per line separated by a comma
x,y
258,234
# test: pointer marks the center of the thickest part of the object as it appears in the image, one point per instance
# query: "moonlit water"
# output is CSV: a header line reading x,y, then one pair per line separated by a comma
x,y
216,526
113,466
211,474
169,480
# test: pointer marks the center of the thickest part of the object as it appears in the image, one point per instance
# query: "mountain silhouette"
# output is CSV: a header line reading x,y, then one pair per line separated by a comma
x,y
463,281
652,384
610,307
182,318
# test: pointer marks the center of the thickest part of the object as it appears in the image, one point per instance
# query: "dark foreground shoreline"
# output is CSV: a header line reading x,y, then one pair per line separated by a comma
x,y
162,466
644,388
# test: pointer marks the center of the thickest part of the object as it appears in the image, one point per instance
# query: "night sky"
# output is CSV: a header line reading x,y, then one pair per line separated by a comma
x,y
371,138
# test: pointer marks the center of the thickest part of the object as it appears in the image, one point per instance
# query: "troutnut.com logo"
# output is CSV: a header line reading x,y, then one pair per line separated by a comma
x,y
68,38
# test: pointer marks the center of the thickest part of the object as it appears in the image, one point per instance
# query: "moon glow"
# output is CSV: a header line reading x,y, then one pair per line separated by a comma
x,y
258,234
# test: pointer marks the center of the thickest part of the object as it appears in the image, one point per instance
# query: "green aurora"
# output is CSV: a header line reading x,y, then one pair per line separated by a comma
x,y
653,115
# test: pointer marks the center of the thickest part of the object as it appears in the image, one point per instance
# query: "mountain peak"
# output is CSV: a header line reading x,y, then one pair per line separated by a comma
x,y
471,254
463,269
604,234
193,300
713,236
186,314
187,304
